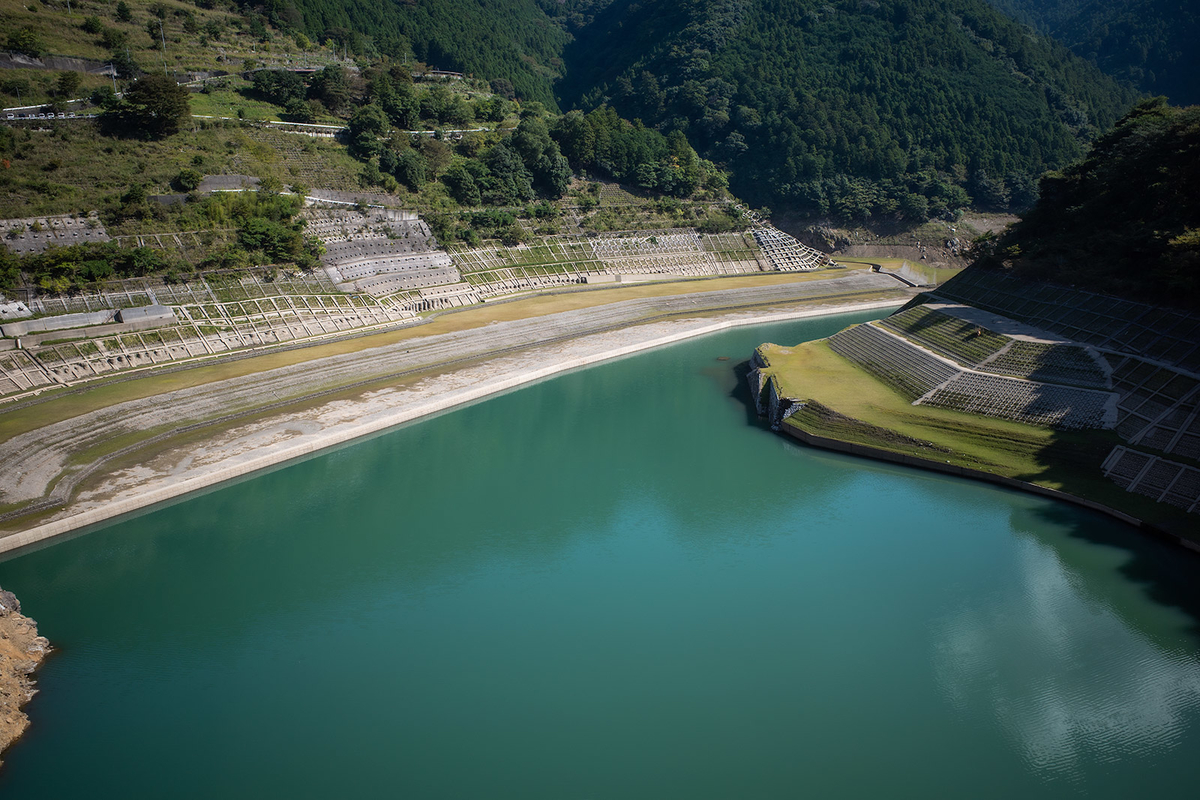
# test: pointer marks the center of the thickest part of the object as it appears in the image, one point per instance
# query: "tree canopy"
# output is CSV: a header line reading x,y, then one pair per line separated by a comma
x,y
853,108
1125,219
511,40
153,107
1150,43
846,107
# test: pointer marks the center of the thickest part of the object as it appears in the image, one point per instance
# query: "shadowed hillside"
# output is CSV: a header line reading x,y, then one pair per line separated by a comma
x,y
1150,43
1126,219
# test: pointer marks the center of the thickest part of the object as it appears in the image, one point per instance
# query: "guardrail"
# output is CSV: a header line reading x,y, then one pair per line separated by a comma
x,y
14,117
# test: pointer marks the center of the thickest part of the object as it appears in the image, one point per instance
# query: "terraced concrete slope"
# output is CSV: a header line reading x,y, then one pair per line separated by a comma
x,y
1106,391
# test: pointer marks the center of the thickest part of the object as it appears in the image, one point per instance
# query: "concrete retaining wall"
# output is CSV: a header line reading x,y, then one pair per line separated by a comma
x,y
59,323
12,60
163,315
96,331
966,472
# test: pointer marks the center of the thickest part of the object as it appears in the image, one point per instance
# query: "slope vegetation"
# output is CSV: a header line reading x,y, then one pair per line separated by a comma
x,y
852,108
1126,219
1150,43
497,39
855,108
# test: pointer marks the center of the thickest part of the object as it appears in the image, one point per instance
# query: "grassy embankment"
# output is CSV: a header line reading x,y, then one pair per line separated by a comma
x,y
71,169
856,407
196,38
932,275
231,99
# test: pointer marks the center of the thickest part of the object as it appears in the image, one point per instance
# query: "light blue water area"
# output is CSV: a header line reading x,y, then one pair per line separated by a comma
x,y
613,584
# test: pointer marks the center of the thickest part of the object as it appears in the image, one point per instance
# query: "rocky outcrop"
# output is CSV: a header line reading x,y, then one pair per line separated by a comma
x,y
21,651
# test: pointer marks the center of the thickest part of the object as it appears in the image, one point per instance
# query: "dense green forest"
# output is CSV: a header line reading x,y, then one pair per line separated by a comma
x,y
508,40
853,107
1150,43
1123,220
498,167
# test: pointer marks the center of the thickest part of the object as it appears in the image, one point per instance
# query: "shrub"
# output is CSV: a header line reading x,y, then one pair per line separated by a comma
x,y
25,40
188,180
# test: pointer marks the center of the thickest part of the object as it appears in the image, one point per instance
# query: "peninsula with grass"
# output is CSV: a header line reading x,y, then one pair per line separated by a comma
x,y
1065,358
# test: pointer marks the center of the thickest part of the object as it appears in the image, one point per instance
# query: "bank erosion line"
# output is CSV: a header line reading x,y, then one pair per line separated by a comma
x,y
61,495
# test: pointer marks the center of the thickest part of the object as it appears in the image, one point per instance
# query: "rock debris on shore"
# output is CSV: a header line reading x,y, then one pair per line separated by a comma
x,y
21,651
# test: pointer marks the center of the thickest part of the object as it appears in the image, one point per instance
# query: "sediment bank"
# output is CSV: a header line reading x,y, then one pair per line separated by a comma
x,y
257,445
21,652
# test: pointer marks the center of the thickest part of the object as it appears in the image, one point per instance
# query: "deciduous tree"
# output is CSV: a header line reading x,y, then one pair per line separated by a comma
x,y
153,107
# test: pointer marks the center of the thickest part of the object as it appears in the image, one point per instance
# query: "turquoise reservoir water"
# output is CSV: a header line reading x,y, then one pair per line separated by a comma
x,y
613,584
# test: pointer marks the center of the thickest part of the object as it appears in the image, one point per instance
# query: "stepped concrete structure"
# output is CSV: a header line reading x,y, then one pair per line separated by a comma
x,y
786,253
379,251
1054,356
935,380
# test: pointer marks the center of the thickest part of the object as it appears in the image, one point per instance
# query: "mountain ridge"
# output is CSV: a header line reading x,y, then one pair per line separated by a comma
x,y
853,108
1149,43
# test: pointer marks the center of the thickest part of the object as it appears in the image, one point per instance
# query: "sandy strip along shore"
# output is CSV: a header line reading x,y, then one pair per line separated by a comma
x,y
45,467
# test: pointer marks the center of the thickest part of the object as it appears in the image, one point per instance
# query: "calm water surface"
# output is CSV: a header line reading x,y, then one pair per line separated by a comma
x,y
613,584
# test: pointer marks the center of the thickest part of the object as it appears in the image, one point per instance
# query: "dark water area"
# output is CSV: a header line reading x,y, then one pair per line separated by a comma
x,y
612,584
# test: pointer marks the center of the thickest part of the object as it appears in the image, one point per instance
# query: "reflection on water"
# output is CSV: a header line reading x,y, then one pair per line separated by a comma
x,y
613,584
1064,676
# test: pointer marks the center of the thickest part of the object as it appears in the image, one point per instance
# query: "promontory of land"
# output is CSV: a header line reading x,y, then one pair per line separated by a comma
x,y
1065,357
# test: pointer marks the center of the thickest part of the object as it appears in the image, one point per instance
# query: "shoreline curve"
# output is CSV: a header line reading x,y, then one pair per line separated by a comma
x,y
175,489
916,462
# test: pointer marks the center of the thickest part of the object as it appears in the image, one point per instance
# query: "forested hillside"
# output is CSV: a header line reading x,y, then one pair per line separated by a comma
x,y
854,108
1125,219
511,40
851,107
1150,43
